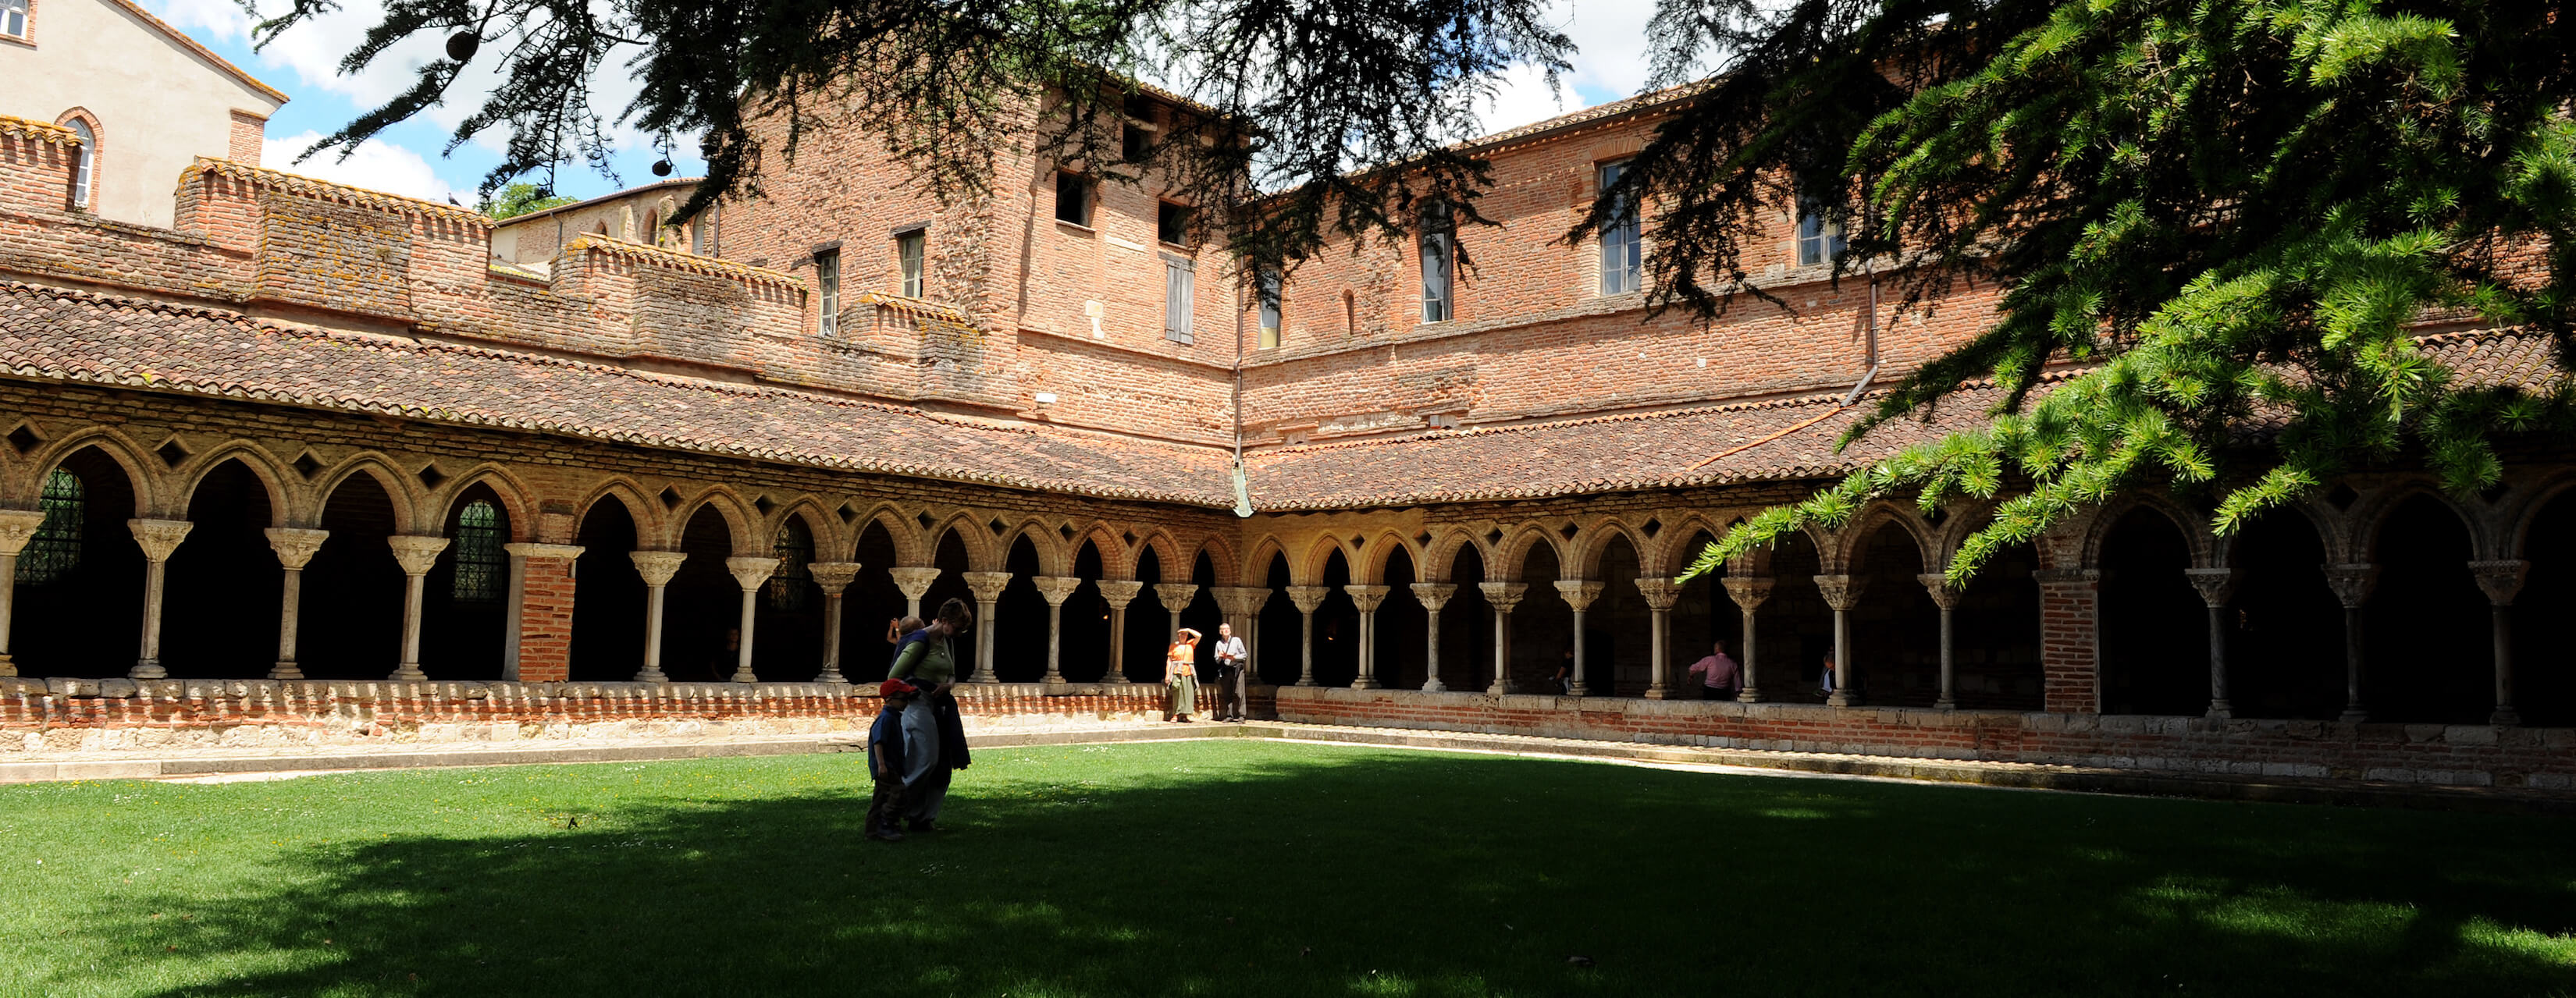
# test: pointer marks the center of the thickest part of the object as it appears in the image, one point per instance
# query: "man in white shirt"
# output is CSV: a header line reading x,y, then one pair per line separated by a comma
x,y
1231,658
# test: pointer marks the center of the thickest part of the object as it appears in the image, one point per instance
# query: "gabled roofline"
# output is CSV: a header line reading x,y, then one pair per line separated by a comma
x,y
588,202
202,52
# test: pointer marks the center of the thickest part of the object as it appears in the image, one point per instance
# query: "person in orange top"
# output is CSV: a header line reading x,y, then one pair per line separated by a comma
x,y
1181,676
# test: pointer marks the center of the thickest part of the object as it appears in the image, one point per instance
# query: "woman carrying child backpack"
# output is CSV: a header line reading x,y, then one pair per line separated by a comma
x,y
935,738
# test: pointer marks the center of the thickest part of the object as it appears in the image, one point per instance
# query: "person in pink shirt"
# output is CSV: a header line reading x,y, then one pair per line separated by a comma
x,y
1716,675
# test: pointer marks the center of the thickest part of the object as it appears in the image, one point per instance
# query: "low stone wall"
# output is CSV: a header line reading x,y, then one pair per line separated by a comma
x,y
68,715
2462,755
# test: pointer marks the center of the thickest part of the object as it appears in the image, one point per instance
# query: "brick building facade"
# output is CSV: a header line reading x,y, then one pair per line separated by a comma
x,y
316,451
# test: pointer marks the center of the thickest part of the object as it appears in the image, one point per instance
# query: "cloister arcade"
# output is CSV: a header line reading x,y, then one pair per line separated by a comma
x,y
2381,599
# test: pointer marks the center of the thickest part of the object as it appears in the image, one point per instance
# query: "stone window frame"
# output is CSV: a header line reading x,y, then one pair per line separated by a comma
x,y
24,12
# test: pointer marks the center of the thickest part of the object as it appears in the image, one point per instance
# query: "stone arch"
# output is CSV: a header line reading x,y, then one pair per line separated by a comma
x,y
2362,524
2513,538
1265,549
973,534
1371,563
1857,532
645,513
1053,558
117,447
1220,556
739,518
1319,558
1509,560
283,507
1592,541
506,486
910,548
1113,552
1167,553
1671,550
386,473
2194,528
832,540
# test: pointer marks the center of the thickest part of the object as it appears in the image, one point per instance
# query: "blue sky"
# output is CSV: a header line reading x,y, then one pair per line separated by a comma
x,y
408,158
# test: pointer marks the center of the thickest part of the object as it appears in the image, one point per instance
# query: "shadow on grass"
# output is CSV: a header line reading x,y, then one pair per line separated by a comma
x,y
1269,870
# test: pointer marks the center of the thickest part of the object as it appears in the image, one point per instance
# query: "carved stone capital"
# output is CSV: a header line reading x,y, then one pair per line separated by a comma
x,y
1660,593
1241,601
1119,592
913,581
1056,588
2352,583
159,537
295,547
2502,580
1434,595
1842,592
416,555
749,572
17,527
1308,598
2216,585
1175,595
1504,595
558,552
833,576
1937,585
1368,598
1748,591
657,567
1579,593
988,586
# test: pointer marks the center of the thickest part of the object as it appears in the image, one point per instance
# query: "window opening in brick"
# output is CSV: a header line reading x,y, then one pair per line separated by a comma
x,y
1439,256
1622,248
1350,313
827,276
1177,300
652,228
907,253
56,548
481,565
13,18
1172,223
84,165
794,549
1134,144
1072,198
706,232
1820,238
1267,286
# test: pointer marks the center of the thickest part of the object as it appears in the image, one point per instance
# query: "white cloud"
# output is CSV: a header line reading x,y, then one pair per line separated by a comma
x,y
377,165
1609,64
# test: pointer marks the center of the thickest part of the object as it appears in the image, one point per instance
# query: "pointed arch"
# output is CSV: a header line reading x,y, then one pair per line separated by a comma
x,y
738,516
505,485
117,447
1514,552
1370,568
1672,551
387,474
260,464
1167,553
1320,554
2515,527
1592,541
644,513
1113,552
1857,532
2194,529
1443,553
1053,558
2363,523
1263,551
981,556
832,541
1220,556
910,547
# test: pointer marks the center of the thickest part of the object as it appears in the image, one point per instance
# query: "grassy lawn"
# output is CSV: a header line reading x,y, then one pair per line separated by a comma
x,y
1246,868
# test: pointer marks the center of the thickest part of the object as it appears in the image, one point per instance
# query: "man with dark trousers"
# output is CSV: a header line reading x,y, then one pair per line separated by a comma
x,y
1231,676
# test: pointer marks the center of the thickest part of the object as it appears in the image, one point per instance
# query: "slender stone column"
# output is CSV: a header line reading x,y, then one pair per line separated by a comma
x,y
988,588
1579,594
2502,580
1748,592
656,567
1176,597
158,538
749,573
17,528
295,549
1119,593
1308,599
915,582
2352,584
1842,592
1504,596
2217,586
1433,596
1056,589
416,555
1661,596
1242,608
1946,597
833,578
541,598
1368,599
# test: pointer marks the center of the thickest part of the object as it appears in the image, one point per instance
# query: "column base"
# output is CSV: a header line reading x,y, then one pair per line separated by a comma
x,y
408,675
1945,703
2505,717
1658,693
1434,686
1053,678
1499,688
1841,699
1115,677
745,676
285,670
2221,710
1578,689
8,667
2353,715
1364,683
1305,680
1748,695
651,674
149,668
831,675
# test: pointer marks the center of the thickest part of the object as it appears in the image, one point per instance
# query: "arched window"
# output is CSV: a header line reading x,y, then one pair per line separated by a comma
x,y
85,166
481,566
794,550
56,548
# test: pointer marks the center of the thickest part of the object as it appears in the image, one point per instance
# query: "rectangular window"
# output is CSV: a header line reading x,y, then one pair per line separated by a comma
x,y
13,18
1267,286
707,231
1172,223
1134,143
1820,239
827,278
1072,198
1177,300
1622,252
907,253
1439,255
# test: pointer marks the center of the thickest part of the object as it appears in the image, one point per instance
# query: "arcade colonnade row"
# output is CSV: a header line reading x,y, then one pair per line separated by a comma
x,y
1865,598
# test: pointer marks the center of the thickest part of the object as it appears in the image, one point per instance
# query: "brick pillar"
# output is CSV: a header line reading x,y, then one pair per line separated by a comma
x,y
2070,628
544,604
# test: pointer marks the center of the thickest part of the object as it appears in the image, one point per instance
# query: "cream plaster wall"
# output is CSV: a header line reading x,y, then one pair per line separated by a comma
x,y
158,104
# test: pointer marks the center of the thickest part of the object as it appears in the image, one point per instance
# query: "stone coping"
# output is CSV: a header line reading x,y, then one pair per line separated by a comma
x,y
258,689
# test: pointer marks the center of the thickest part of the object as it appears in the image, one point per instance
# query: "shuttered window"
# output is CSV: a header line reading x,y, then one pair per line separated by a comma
x,y
1177,299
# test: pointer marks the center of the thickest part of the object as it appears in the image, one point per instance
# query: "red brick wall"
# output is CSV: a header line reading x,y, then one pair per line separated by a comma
x,y
545,620
2069,639
249,131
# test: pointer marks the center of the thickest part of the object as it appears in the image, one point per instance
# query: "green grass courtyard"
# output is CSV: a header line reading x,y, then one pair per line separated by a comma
x,y
1251,868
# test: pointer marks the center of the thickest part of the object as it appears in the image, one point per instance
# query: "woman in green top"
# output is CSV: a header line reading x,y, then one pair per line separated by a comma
x,y
928,657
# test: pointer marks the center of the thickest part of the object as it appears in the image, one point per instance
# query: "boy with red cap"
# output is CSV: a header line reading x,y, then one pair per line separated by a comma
x,y
886,763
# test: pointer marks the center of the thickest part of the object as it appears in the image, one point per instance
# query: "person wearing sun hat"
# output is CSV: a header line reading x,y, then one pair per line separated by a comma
x,y
886,762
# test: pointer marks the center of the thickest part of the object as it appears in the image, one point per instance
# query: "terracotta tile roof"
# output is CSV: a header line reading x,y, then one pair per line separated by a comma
x,y
61,335
296,183
37,131
1642,102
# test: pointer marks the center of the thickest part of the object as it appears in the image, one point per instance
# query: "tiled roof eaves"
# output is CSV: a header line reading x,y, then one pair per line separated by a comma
x,y
350,402
296,183
201,51
37,131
